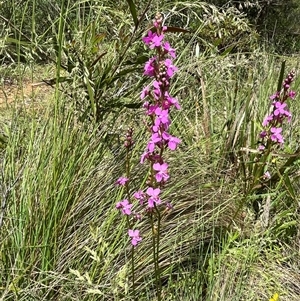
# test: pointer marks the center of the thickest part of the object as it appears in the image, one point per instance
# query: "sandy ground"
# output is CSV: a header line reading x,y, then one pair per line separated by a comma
x,y
24,93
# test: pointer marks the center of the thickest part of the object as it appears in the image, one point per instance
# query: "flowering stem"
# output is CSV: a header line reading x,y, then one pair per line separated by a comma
x,y
158,103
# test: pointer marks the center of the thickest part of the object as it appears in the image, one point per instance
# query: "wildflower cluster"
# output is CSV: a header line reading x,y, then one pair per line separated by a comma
x,y
157,104
272,133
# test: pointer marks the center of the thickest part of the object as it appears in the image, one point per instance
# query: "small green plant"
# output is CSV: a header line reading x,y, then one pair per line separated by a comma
x,y
262,174
271,137
98,69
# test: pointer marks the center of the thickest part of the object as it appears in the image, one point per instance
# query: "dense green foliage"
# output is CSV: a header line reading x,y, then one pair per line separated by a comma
x,y
227,238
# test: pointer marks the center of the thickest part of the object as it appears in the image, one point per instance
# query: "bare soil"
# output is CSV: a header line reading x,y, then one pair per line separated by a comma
x,y
24,93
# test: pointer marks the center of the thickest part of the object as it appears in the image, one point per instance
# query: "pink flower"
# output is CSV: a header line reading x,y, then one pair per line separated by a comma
x,y
155,139
275,96
267,120
156,41
150,108
135,236
148,39
172,141
162,117
171,69
122,181
169,49
292,94
279,108
276,135
140,196
145,92
153,197
144,156
162,172
170,101
263,134
267,176
149,68
157,89
169,206
288,115
125,206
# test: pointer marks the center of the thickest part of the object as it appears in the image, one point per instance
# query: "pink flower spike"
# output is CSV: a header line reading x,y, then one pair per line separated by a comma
x,y
122,181
162,172
135,237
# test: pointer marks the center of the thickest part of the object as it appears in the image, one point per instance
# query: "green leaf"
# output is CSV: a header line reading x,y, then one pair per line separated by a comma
x,y
98,58
287,225
228,50
289,186
15,41
176,29
217,42
135,105
90,91
279,86
170,29
133,12
139,60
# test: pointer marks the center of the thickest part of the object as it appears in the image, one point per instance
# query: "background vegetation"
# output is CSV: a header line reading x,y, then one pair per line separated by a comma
x,y
61,150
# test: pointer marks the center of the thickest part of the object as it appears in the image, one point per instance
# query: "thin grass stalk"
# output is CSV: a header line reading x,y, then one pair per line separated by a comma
x,y
206,115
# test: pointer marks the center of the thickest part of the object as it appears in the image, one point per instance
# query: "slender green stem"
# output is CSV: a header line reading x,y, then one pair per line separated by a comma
x,y
133,273
157,271
155,259
127,170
